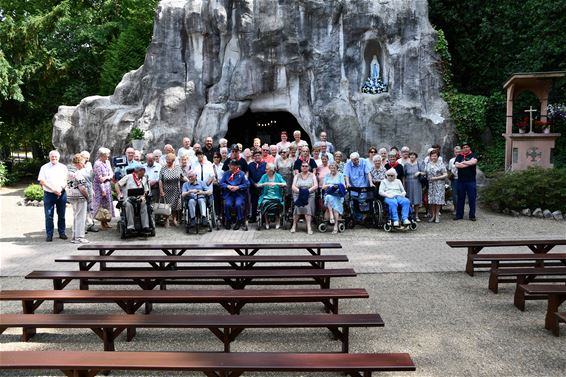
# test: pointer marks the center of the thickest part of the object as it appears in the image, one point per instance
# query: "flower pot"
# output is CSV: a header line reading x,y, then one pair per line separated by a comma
x,y
138,144
546,130
521,130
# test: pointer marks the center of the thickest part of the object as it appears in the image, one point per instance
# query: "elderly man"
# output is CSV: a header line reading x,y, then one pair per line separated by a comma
x,y
234,186
357,175
195,191
235,156
222,143
121,171
53,179
324,138
152,169
298,143
133,181
185,149
209,149
203,168
324,151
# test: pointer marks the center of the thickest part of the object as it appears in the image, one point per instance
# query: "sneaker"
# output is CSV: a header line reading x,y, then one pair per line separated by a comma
x,y
437,220
277,226
395,223
456,218
63,236
83,240
406,222
49,239
237,225
267,226
75,241
244,227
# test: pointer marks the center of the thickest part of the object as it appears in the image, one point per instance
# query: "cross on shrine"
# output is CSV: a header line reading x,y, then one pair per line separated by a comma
x,y
531,111
533,154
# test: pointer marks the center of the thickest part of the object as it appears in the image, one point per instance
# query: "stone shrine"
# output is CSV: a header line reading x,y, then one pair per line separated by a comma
x,y
212,61
525,149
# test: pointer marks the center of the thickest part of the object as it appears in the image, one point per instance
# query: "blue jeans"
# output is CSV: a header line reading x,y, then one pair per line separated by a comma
x,y
466,188
50,202
237,201
398,201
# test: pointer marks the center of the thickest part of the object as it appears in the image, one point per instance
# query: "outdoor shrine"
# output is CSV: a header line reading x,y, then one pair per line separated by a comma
x,y
523,146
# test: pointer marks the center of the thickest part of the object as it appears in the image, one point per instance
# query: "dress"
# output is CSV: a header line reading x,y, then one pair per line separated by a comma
x,y
271,192
285,168
102,169
335,202
413,184
171,179
306,183
436,188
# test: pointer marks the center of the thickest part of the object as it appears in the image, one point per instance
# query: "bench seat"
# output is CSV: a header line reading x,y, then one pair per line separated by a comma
x,y
556,295
173,262
211,364
225,327
516,260
232,300
237,279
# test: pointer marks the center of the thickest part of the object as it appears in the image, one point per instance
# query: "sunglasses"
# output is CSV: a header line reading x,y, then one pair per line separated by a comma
x,y
304,166
390,175
372,152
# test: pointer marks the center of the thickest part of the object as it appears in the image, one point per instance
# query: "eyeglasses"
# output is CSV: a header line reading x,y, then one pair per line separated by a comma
x,y
391,175
304,166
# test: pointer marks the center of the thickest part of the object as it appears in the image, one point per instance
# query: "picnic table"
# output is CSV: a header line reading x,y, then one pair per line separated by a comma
x,y
556,295
540,246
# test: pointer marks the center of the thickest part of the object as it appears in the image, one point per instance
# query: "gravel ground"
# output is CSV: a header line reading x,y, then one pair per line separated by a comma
x,y
450,323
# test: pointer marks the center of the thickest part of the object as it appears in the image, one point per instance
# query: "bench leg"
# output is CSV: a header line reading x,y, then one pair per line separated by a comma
x,y
28,332
493,284
519,299
551,320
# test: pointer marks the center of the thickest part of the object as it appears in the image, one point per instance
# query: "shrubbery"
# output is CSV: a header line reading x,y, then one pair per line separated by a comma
x,y
531,188
33,192
3,174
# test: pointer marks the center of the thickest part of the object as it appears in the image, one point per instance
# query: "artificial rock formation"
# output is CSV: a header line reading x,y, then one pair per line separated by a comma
x,y
211,60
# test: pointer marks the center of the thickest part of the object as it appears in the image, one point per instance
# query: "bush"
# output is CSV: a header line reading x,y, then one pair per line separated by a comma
x,y
33,192
3,174
531,188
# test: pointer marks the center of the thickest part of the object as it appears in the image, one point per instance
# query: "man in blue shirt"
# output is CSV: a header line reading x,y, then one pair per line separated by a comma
x,y
357,175
256,170
234,186
466,165
195,191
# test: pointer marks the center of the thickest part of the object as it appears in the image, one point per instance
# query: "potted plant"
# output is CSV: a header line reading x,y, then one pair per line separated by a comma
x,y
543,126
523,124
136,136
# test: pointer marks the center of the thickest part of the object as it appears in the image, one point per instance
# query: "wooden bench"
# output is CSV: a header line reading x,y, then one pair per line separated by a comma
x,y
556,295
474,247
225,327
499,261
173,262
231,300
526,276
236,279
82,364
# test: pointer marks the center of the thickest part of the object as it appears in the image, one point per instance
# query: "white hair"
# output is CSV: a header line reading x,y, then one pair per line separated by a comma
x,y
405,149
391,171
157,153
54,153
354,155
104,151
392,153
381,150
270,166
223,149
376,158
223,141
85,154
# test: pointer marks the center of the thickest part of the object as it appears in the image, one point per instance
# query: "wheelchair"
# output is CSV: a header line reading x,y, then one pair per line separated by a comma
x,y
136,202
321,223
363,207
271,209
388,225
210,215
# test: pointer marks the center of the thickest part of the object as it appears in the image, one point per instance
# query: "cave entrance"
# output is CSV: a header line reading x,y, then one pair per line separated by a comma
x,y
265,125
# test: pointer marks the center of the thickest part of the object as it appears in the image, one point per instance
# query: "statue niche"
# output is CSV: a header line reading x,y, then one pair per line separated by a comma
x,y
374,83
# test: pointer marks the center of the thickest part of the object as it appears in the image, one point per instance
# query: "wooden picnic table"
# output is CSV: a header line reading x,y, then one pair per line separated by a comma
x,y
540,246
556,295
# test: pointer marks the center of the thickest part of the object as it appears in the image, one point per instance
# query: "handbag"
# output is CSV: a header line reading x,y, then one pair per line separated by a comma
x,y
103,215
161,208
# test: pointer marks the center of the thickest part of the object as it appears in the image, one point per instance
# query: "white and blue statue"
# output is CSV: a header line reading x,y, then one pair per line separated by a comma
x,y
374,84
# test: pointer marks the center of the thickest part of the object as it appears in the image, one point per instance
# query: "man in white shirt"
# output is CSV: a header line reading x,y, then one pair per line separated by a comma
x,y
53,178
152,170
324,137
185,149
135,180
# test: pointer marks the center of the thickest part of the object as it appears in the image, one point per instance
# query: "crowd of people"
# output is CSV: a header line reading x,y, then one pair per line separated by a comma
x,y
240,180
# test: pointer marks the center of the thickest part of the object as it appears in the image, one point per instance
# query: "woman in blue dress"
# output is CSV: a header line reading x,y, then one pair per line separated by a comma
x,y
273,189
333,188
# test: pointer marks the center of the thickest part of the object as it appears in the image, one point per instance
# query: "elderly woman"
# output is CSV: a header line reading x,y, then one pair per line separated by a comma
x,y
304,188
334,189
377,171
248,155
305,157
170,178
413,171
339,159
436,173
393,192
284,166
185,166
393,163
102,185
383,153
273,190
77,194
322,170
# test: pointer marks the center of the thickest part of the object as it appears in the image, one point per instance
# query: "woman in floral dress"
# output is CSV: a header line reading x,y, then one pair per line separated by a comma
x,y
102,185
436,174
170,187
